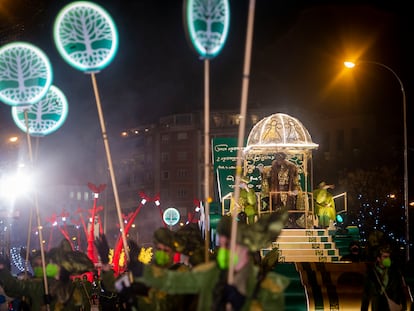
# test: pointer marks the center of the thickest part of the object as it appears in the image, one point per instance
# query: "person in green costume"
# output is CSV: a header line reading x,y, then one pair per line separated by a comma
x,y
251,288
324,205
62,294
247,200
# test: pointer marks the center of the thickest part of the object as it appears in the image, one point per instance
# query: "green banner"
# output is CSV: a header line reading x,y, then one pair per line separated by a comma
x,y
224,163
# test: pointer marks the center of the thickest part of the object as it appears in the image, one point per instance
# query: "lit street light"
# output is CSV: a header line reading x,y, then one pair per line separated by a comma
x,y
350,64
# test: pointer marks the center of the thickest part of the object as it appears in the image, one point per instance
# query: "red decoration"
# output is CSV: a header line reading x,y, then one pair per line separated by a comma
x,y
96,190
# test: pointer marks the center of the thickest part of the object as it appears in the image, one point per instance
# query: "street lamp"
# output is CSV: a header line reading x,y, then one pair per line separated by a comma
x,y
350,64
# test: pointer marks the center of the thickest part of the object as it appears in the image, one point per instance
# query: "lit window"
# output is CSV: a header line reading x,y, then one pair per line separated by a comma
x,y
79,195
218,121
86,196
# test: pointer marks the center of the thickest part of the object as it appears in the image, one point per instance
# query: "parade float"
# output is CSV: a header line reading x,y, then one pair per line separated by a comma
x,y
277,133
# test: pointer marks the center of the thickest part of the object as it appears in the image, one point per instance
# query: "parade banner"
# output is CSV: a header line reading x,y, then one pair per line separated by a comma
x,y
225,159
224,163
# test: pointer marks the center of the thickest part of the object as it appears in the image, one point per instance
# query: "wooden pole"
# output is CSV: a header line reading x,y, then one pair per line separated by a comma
x,y
242,125
207,158
110,166
36,203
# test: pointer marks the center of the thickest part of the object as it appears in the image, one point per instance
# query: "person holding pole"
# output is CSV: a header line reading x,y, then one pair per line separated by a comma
x,y
209,280
63,294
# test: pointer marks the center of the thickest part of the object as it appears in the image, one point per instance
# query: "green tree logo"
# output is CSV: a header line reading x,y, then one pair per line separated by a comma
x,y
207,24
25,74
45,116
85,36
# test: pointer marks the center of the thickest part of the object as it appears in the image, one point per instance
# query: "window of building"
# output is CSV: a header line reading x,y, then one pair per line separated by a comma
x,y
182,193
254,118
165,175
181,155
149,176
165,138
183,119
165,156
234,119
218,121
182,136
79,196
86,196
182,173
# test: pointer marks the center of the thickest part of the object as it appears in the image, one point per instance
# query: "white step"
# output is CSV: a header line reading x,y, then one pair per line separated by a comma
x,y
303,245
301,238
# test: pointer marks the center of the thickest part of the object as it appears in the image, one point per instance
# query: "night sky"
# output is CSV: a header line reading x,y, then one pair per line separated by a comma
x,y
297,56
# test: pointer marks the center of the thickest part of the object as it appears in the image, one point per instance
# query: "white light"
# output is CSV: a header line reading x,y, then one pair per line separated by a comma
x,y
197,209
157,202
96,195
349,64
14,184
143,201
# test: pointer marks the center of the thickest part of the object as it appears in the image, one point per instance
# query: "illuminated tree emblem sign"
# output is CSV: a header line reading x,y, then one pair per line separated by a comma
x,y
171,216
207,25
45,116
25,74
85,35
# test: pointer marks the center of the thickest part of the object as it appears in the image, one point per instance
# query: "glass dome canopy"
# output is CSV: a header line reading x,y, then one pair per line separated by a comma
x,y
278,132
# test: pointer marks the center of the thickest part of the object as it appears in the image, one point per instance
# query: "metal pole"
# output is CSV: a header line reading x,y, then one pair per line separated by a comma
x,y
407,223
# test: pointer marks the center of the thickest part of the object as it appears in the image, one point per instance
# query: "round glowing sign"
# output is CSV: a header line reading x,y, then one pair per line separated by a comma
x,y
86,36
207,25
171,216
45,116
25,74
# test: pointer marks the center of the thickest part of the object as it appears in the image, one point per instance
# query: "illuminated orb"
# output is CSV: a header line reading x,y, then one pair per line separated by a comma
x,y
25,74
85,36
45,116
278,131
171,216
207,25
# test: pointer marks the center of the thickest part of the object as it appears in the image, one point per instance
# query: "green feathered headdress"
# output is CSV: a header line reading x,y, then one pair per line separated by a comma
x,y
75,262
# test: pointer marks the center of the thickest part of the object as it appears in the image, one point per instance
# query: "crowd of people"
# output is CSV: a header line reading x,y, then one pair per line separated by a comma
x,y
178,277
